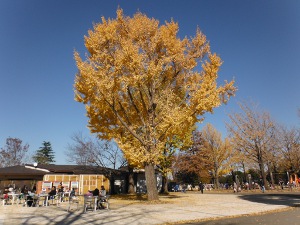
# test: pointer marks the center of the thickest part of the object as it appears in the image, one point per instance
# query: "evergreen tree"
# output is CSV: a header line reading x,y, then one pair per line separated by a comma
x,y
45,155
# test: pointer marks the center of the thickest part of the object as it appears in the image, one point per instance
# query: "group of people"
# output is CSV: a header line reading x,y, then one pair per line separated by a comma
x,y
20,193
29,193
98,193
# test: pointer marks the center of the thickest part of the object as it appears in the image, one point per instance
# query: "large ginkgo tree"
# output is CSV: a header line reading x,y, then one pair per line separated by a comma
x,y
141,85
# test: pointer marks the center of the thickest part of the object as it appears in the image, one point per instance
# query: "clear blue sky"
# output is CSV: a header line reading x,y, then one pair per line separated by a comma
x,y
259,42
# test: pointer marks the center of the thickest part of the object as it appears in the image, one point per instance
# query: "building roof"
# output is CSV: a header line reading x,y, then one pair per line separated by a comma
x,y
20,170
42,169
72,169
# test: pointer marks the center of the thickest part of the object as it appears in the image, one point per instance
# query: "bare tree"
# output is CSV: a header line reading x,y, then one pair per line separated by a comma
x,y
88,151
289,140
253,134
81,150
107,154
13,153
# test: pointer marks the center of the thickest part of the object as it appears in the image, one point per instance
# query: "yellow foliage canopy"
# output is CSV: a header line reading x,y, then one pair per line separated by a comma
x,y
219,152
140,83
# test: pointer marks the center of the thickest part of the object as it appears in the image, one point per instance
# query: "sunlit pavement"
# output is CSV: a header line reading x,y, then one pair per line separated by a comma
x,y
190,206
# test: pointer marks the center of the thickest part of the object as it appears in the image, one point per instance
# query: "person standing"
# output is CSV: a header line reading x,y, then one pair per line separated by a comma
x,y
262,185
234,187
201,187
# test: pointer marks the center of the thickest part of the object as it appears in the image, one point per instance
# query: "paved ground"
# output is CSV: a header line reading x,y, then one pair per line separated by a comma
x,y
174,209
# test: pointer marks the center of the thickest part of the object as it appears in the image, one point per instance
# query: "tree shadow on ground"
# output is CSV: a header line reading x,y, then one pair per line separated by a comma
x,y
288,199
143,197
59,216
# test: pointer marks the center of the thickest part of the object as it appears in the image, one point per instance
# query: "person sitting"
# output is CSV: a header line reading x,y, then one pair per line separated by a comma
x,y
89,193
10,188
72,193
102,197
96,192
102,192
5,195
52,193
29,199
24,190
61,189
33,190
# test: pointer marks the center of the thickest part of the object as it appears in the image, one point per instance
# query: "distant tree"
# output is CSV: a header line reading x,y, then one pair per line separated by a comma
x,y
165,165
13,153
102,155
167,159
219,152
45,154
193,161
253,134
255,174
289,142
88,151
108,155
80,151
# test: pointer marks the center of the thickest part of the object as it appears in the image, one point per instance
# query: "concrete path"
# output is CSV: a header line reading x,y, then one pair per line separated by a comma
x,y
176,208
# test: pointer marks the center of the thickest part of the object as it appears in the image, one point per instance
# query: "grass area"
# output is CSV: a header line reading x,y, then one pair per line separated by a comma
x,y
175,197
130,197
172,197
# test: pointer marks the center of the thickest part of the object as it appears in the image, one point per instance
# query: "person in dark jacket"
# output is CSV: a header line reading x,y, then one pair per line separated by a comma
x,y
52,193
96,192
201,187
262,185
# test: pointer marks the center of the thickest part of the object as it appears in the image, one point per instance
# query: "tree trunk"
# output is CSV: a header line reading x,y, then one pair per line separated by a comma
x,y
262,171
271,175
261,165
216,178
151,182
130,181
244,169
164,188
217,186
112,184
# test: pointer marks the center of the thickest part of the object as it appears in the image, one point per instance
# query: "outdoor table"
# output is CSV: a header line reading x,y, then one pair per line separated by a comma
x,y
74,200
13,197
43,198
66,195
